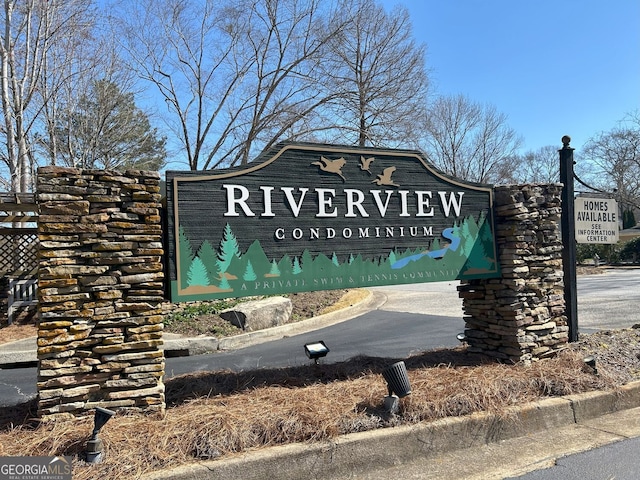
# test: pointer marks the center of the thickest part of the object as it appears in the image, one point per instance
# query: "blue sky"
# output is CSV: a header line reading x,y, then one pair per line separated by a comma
x,y
553,67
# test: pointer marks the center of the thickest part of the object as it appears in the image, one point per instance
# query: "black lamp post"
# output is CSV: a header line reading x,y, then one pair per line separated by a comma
x,y
568,230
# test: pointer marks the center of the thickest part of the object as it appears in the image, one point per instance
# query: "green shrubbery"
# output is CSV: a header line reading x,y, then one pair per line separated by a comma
x,y
611,254
630,251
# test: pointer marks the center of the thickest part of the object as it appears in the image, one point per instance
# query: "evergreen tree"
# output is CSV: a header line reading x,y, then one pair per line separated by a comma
x,y
228,249
467,239
486,240
224,283
209,258
259,260
306,261
185,258
249,274
334,260
628,218
197,274
275,271
285,266
297,269
108,131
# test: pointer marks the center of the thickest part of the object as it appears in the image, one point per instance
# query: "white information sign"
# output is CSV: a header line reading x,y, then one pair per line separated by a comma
x,y
596,220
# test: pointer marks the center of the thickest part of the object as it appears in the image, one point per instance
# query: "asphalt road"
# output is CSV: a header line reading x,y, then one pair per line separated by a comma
x,y
608,301
617,461
413,318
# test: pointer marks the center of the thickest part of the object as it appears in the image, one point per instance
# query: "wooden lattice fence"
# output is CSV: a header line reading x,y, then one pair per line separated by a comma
x,y
18,250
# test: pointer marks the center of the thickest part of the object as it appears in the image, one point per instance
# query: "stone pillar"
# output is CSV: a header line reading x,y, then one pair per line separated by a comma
x,y
101,286
521,316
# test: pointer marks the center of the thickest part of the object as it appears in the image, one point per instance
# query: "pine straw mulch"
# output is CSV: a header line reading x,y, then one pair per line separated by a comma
x,y
218,414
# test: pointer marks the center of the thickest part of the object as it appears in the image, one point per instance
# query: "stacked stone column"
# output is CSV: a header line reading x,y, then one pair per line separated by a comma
x,y
521,316
101,286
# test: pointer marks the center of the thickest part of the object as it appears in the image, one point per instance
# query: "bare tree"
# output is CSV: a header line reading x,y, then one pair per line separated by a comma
x,y
75,62
534,166
284,87
614,160
30,51
236,76
468,140
379,75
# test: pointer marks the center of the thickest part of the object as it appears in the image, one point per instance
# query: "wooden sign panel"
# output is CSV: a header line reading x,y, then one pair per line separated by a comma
x,y
306,217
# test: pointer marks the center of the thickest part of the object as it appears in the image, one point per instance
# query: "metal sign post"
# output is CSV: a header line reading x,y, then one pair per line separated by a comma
x,y
569,238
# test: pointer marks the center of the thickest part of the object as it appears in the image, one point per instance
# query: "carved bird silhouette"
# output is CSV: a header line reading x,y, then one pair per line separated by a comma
x,y
365,164
385,177
332,166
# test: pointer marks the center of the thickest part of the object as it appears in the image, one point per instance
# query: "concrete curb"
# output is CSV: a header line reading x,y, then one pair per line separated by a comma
x,y
350,455
18,354
183,346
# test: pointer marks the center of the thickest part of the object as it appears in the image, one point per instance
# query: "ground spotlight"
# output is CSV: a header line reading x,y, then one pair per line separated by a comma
x,y
461,337
94,445
397,384
591,362
316,350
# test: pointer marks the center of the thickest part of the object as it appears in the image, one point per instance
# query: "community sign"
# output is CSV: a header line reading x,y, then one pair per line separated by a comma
x,y
596,220
306,217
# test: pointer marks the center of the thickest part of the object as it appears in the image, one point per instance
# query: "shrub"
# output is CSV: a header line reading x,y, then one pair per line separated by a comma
x,y
630,251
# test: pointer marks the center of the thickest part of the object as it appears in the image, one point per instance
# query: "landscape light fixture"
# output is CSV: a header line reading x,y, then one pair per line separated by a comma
x,y
316,350
94,445
397,384
461,337
591,362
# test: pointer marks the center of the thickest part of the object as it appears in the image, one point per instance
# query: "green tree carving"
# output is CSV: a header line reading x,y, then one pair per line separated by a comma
x,y
284,265
224,283
467,238
334,260
228,249
249,274
485,236
275,271
197,274
259,260
296,267
306,261
209,258
185,257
